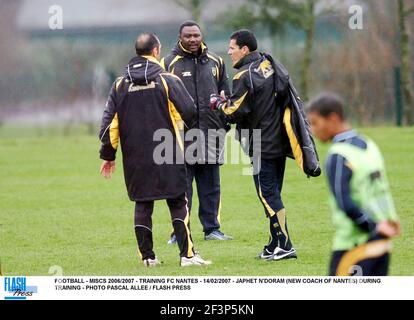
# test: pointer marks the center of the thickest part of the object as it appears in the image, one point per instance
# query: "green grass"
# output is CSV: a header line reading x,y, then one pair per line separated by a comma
x,y
55,209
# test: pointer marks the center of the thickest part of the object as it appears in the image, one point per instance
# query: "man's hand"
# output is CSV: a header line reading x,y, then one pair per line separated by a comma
x,y
218,102
107,169
389,229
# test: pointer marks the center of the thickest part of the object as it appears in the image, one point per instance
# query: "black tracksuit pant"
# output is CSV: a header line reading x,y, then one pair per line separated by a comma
x,y
207,177
179,216
269,182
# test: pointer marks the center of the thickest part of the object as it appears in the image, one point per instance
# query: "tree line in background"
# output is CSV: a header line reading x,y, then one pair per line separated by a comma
x,y
359,64
404,13
277,15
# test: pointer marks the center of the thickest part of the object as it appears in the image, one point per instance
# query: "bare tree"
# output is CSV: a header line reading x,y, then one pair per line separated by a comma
x,y
360,66
276,15
308,24
8,35
9,41
195,7
403,14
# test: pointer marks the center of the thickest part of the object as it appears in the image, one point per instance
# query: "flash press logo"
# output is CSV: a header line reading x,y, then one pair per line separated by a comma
x,y
16,288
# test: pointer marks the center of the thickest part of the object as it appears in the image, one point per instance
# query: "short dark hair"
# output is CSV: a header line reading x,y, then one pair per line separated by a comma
x,y
246,38
327,103
146,42
189,23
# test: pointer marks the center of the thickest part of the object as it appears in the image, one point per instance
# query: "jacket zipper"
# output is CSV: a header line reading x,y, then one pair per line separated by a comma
x,y
196,90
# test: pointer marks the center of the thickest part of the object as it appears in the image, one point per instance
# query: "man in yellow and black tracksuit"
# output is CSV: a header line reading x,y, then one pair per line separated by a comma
x,y
203,73
142,103
257,104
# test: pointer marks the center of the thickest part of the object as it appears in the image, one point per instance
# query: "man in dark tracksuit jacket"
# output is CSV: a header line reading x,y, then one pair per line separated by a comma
x,y
254,105
143,102
203,73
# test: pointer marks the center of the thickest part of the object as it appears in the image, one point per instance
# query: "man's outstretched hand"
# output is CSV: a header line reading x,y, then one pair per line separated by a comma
x,y
107,169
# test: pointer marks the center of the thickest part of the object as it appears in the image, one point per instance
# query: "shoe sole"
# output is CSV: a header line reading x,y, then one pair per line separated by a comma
x,y
291,255
265,258
195,264
218,239
152,265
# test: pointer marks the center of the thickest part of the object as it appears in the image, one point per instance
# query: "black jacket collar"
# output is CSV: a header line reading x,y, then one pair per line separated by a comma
x,y
253,56
180,50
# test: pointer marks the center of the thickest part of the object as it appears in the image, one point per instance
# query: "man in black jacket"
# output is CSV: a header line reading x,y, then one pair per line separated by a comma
x,y
141,103
203,73
255,105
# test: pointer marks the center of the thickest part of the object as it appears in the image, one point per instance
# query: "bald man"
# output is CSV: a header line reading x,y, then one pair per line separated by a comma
x,y
141,102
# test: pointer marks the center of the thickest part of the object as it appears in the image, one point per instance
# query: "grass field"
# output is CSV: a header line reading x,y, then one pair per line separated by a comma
x,y
55,209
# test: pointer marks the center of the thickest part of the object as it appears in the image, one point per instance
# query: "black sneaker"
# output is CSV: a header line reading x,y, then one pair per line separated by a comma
x,y
281,254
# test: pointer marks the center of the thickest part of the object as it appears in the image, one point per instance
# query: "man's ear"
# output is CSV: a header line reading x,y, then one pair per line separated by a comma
x,y
334,118
156,52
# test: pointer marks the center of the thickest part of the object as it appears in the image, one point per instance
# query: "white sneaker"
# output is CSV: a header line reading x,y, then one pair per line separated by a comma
x,y
281,254
194,261
152,262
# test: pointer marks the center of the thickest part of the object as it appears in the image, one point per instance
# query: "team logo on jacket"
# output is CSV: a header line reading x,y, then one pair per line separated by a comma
x,y
187,74
266,68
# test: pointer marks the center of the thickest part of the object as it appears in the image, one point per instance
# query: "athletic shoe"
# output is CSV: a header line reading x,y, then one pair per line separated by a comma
x,y
194,261
152,262
281,254
265,255
217,235
173,240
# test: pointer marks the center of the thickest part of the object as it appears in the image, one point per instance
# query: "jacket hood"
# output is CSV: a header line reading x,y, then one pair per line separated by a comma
x,y
180,50
282,77
143,70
